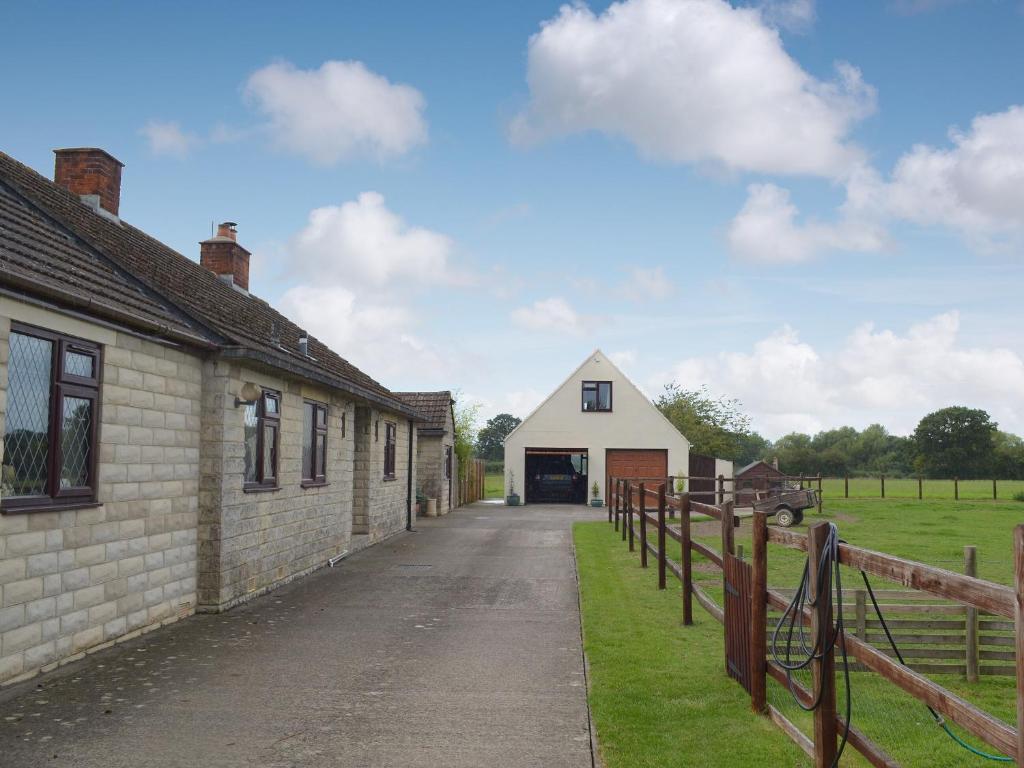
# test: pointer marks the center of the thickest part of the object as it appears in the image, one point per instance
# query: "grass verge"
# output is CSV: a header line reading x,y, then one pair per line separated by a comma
x,y
658,693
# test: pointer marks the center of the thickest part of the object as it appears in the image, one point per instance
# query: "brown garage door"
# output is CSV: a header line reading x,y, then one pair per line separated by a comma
x,y
642,463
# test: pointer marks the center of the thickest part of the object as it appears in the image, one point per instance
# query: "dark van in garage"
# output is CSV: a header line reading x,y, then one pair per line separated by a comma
x,y
556,477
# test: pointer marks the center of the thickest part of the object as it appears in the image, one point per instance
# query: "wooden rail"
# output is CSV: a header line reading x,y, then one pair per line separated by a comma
x,y
977,612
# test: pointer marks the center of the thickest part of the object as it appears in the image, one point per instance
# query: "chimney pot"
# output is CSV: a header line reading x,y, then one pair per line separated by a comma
x,y
304,343
223,256
88,171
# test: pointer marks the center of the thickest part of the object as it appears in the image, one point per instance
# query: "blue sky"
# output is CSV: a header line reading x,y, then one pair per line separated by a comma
x,y
695,187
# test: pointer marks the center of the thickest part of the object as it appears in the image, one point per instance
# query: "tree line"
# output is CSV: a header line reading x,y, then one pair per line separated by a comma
x,y
951,442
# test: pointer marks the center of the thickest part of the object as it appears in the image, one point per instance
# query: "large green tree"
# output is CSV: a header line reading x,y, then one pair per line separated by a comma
x,y
490,442
955,442
715,426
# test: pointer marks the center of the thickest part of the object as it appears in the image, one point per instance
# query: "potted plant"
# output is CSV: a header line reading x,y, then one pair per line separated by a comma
x,y
680,484
595,492
512,499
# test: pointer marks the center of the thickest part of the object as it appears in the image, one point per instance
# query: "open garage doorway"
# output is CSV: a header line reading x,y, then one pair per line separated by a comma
x,y
556,476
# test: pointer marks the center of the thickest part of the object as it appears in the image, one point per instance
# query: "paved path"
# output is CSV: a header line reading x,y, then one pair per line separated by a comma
x,y
457,645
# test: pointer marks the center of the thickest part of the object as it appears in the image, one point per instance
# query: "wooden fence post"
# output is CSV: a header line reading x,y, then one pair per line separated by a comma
x,y
759,614
627,510
728,529
632,521
721,489
846,487
643,533
956,489
883,486
920,487
820,502
687,565
611,496
823,669
995,494
1018,560
661,541
971,569
619,501
861,608
671,491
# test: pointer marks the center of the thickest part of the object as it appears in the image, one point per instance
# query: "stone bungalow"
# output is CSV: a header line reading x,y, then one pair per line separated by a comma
x,y
436,463
172,444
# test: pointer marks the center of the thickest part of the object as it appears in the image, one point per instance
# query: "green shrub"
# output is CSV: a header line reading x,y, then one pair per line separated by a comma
x,y
1018,496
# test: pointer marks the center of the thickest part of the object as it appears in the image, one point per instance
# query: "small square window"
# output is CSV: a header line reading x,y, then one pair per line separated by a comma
x,y
597,396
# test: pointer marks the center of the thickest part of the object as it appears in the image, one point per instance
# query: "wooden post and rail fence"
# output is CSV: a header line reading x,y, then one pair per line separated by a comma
x,y
989,615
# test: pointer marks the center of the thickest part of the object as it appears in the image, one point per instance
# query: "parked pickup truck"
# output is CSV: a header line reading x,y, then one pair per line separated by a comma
x,y
787,504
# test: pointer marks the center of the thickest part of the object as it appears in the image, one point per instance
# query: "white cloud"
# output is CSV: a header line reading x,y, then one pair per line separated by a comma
x,y
362,241
377,338
766,230
517,402
874,376
167,138
647,284
794,15
337,111
975,187
690,81
552,315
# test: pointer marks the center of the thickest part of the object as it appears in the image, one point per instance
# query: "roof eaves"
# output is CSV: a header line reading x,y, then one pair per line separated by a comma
x,y
317,374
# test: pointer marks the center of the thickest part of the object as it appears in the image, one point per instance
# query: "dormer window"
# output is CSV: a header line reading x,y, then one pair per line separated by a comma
x,y
597,395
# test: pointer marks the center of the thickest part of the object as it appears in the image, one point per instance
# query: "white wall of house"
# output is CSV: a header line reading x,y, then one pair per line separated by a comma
x,y
560,422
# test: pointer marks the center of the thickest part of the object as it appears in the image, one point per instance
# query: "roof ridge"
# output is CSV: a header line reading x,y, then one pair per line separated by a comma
x,y
242,320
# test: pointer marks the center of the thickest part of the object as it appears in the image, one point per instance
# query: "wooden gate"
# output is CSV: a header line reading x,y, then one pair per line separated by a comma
x,y
702,490
737,619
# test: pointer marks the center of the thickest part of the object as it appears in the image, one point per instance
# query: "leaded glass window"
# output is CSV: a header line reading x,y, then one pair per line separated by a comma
x,y
50,429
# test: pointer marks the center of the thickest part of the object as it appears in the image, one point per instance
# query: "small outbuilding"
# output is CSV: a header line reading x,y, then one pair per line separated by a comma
x,y
436,462
596,425
756,477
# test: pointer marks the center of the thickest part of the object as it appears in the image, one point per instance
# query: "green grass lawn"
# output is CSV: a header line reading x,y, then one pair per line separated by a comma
x,y
672,704
493,486
658,691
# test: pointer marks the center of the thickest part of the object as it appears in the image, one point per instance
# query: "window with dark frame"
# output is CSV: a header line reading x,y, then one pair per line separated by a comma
x,y
314,443
390,440
50,430
447,462
262,440
597,395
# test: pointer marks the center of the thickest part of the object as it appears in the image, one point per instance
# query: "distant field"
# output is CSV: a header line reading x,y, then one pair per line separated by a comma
x,y
906,488
493,486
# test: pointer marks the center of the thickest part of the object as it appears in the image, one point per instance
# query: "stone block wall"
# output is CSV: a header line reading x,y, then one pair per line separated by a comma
x,y
252,541
381,503
77,580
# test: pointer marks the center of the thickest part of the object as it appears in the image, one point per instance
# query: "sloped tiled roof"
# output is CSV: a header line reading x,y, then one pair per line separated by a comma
x,y
753,464
247,327
37,253
435,407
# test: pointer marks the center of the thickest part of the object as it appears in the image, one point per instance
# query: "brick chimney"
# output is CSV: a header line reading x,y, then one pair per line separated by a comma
x,y
223,256
92,174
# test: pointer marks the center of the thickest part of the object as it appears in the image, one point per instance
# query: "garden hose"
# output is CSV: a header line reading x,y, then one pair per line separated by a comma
x,y
827,637
939,720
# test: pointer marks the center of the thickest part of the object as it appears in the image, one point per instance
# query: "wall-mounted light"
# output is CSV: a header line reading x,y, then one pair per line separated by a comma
x,y
248,395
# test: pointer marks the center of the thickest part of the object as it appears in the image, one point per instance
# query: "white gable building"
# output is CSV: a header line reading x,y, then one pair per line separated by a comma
x,y
596,425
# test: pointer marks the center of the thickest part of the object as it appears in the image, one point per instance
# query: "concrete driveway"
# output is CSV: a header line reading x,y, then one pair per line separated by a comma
x,y
457,645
